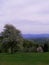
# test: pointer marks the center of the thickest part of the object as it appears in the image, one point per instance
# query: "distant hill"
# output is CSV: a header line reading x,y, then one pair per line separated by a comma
x,y
34,36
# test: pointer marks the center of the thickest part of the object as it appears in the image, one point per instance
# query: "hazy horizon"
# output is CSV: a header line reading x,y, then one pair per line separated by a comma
x,y
29,16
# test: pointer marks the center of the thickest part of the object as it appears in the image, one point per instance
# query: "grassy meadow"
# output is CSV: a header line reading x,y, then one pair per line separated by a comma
x,y
24,59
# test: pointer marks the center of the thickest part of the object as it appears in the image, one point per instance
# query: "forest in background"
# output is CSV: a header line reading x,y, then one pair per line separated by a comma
x,y
12,41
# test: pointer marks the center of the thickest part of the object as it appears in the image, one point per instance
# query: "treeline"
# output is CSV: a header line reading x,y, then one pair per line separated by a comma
x,y
11,41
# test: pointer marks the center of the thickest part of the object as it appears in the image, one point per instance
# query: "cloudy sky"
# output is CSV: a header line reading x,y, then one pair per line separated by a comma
x,y
29,16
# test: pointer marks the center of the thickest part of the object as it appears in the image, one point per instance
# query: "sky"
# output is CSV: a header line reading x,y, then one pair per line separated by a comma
x,y
29,16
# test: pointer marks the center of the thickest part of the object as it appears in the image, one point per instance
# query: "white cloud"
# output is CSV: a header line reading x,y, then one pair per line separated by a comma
x,y
30,13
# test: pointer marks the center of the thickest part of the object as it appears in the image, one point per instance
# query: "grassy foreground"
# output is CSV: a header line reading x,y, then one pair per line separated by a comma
x,y
24,59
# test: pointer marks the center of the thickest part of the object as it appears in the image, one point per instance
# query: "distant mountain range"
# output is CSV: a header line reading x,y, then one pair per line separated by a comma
x,y
34,36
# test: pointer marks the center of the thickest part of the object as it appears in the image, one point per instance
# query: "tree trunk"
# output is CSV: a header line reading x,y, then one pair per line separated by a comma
x,y
11,50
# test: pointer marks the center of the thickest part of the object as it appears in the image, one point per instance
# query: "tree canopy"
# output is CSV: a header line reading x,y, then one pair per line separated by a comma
x,y
11,36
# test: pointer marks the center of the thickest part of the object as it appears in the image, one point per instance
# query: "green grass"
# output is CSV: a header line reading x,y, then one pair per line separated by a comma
x,y
24,59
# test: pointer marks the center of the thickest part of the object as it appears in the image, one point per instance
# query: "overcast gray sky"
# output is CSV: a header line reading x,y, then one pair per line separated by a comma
x,y
29,16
